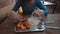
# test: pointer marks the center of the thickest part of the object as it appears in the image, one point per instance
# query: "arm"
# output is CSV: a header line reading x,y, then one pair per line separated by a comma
x,y
41,6
16,7
13,14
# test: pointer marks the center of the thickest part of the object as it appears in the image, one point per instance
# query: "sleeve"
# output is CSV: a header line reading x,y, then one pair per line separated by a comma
x,y
41,6
17,5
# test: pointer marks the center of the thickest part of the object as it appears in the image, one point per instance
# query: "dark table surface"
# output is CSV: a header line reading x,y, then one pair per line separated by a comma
x,y
52,20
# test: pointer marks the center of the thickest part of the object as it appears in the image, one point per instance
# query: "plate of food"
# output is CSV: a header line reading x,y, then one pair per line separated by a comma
x,y
29,24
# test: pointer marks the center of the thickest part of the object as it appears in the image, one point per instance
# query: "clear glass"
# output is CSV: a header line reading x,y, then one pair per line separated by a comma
x,y
41,25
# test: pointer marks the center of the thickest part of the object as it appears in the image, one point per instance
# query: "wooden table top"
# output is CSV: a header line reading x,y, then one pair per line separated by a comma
x,y
52,20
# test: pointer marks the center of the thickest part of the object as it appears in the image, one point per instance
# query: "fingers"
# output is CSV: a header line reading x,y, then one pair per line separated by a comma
x,y
39,13
13,16
19,16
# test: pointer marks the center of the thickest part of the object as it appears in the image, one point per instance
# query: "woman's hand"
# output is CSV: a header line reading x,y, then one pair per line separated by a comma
x,y
39,13
14,16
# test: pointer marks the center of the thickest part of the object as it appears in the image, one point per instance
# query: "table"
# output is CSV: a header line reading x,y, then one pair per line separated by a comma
x,y
7,27
47,3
